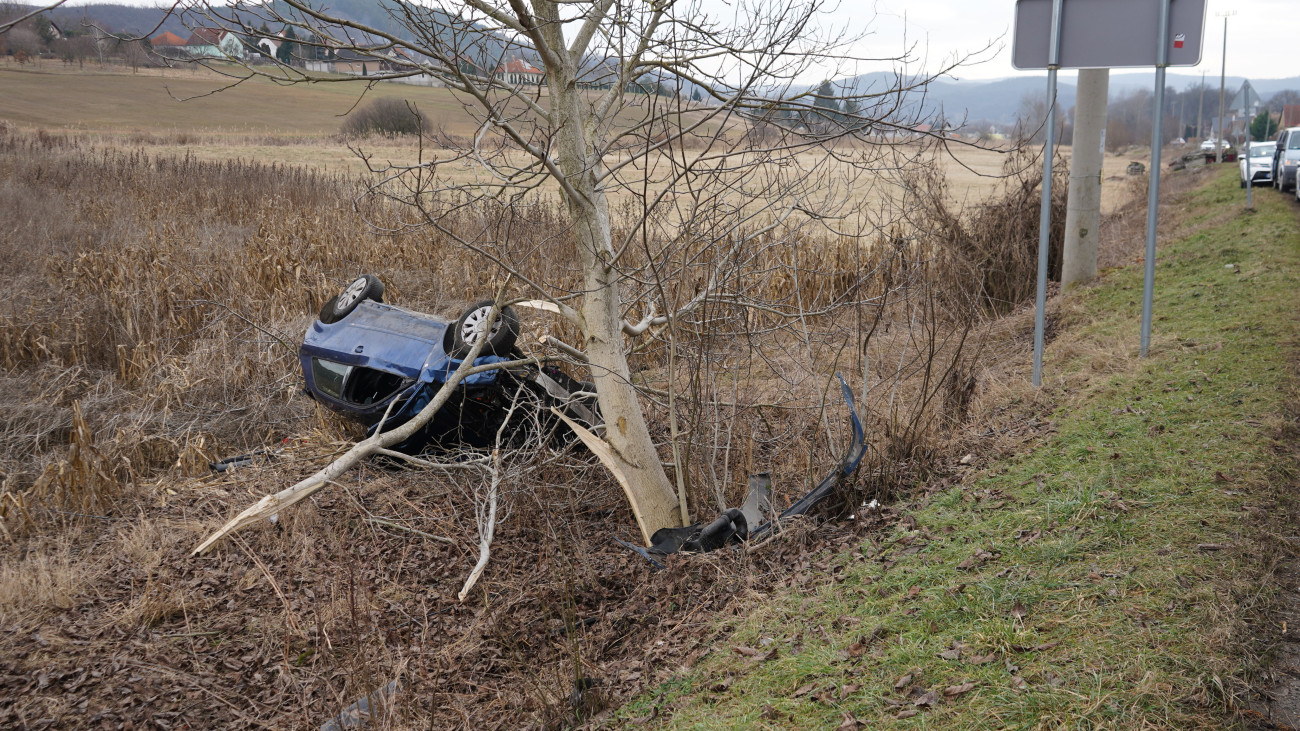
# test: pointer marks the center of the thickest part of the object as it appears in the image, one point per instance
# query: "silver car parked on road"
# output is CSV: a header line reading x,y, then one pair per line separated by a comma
x,y
1286,159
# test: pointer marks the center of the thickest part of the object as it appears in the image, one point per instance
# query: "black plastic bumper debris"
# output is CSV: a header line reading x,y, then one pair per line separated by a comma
x,y
734,524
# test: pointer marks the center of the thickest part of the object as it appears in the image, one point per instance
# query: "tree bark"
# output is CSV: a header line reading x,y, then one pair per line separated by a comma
x,y
602,320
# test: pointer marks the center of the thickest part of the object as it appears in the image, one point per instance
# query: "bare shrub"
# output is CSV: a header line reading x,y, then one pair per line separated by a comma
x,y
989,250
385,116
23,41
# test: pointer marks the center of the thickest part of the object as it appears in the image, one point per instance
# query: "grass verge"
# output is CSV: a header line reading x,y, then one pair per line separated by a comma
x,y
1106,578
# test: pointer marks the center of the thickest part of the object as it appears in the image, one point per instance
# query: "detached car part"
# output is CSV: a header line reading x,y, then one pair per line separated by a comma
x,y
365,358
748,521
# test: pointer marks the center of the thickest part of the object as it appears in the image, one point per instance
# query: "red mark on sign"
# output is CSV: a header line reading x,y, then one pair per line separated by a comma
x,y
1179,39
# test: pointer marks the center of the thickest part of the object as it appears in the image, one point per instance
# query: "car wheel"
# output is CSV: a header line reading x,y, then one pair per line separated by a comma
x,y
471,325
1243,184
364,287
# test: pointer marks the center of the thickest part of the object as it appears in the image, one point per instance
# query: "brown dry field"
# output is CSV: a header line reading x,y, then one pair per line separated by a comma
x,y
262,122
157,306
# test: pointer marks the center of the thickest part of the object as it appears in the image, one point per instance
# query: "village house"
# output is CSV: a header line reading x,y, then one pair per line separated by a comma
x,y
1290,116
271,46
353,63
520,73
215,43
169,45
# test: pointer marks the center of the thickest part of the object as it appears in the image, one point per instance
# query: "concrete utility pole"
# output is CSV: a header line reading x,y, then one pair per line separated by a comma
x,y
1200,108
1083,207
1223,72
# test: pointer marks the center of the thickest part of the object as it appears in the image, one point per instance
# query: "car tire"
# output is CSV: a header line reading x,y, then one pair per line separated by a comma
x,y
465,332
364,287
1243,184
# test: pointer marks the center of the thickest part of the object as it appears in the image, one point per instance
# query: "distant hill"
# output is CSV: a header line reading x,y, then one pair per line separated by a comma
x,y
999,100
119,19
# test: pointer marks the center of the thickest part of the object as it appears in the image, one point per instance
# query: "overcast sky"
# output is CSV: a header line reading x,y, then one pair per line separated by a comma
x,y
1263,36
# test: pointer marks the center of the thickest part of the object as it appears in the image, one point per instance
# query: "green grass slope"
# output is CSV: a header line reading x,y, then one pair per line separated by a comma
x,y
1109,577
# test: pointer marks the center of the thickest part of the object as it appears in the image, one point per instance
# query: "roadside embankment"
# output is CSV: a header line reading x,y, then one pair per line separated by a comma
x,y
1116,573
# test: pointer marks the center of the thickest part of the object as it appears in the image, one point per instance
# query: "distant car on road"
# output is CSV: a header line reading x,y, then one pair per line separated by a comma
x,y
1209,145
1286,158
1257,165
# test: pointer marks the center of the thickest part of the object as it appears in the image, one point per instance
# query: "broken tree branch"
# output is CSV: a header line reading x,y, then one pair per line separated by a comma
x,y
487,524
600,448
487,527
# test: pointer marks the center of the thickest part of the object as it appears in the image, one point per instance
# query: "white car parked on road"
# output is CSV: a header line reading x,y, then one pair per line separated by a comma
x,y
1257,166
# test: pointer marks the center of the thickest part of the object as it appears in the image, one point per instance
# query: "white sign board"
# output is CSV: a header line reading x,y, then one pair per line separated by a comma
x,y
1099,34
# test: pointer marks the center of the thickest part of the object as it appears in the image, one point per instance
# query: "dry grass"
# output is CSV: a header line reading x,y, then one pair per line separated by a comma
x,y
50,578
116,102
1107,560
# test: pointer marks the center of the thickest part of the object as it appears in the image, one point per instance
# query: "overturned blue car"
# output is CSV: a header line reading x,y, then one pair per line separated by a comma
x,y
365,358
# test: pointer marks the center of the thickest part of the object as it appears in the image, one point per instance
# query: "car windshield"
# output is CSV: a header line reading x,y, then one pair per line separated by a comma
x,y
1262,150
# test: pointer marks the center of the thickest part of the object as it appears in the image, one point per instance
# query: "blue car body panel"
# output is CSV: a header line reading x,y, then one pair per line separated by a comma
x,y
382,337
390,339
382,365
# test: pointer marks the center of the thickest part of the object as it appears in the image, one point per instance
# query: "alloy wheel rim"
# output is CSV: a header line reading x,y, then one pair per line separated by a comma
x,y
351,294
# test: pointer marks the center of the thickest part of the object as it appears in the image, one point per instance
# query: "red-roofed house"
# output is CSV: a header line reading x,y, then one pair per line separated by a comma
x,y
214,43
519,73
166,40
168,44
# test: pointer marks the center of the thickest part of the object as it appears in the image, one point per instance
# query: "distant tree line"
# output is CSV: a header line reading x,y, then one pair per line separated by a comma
x,y
1192,113
39,38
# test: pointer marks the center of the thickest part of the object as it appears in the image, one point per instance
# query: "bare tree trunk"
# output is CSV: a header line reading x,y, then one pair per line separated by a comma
x,y
602,321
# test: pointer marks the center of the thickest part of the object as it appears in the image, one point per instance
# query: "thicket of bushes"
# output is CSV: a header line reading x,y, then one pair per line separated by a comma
x,y
386,116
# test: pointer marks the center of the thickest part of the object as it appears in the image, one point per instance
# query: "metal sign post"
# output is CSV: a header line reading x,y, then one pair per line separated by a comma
x,y
1045,208
1250,175
1052,34
1153,191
